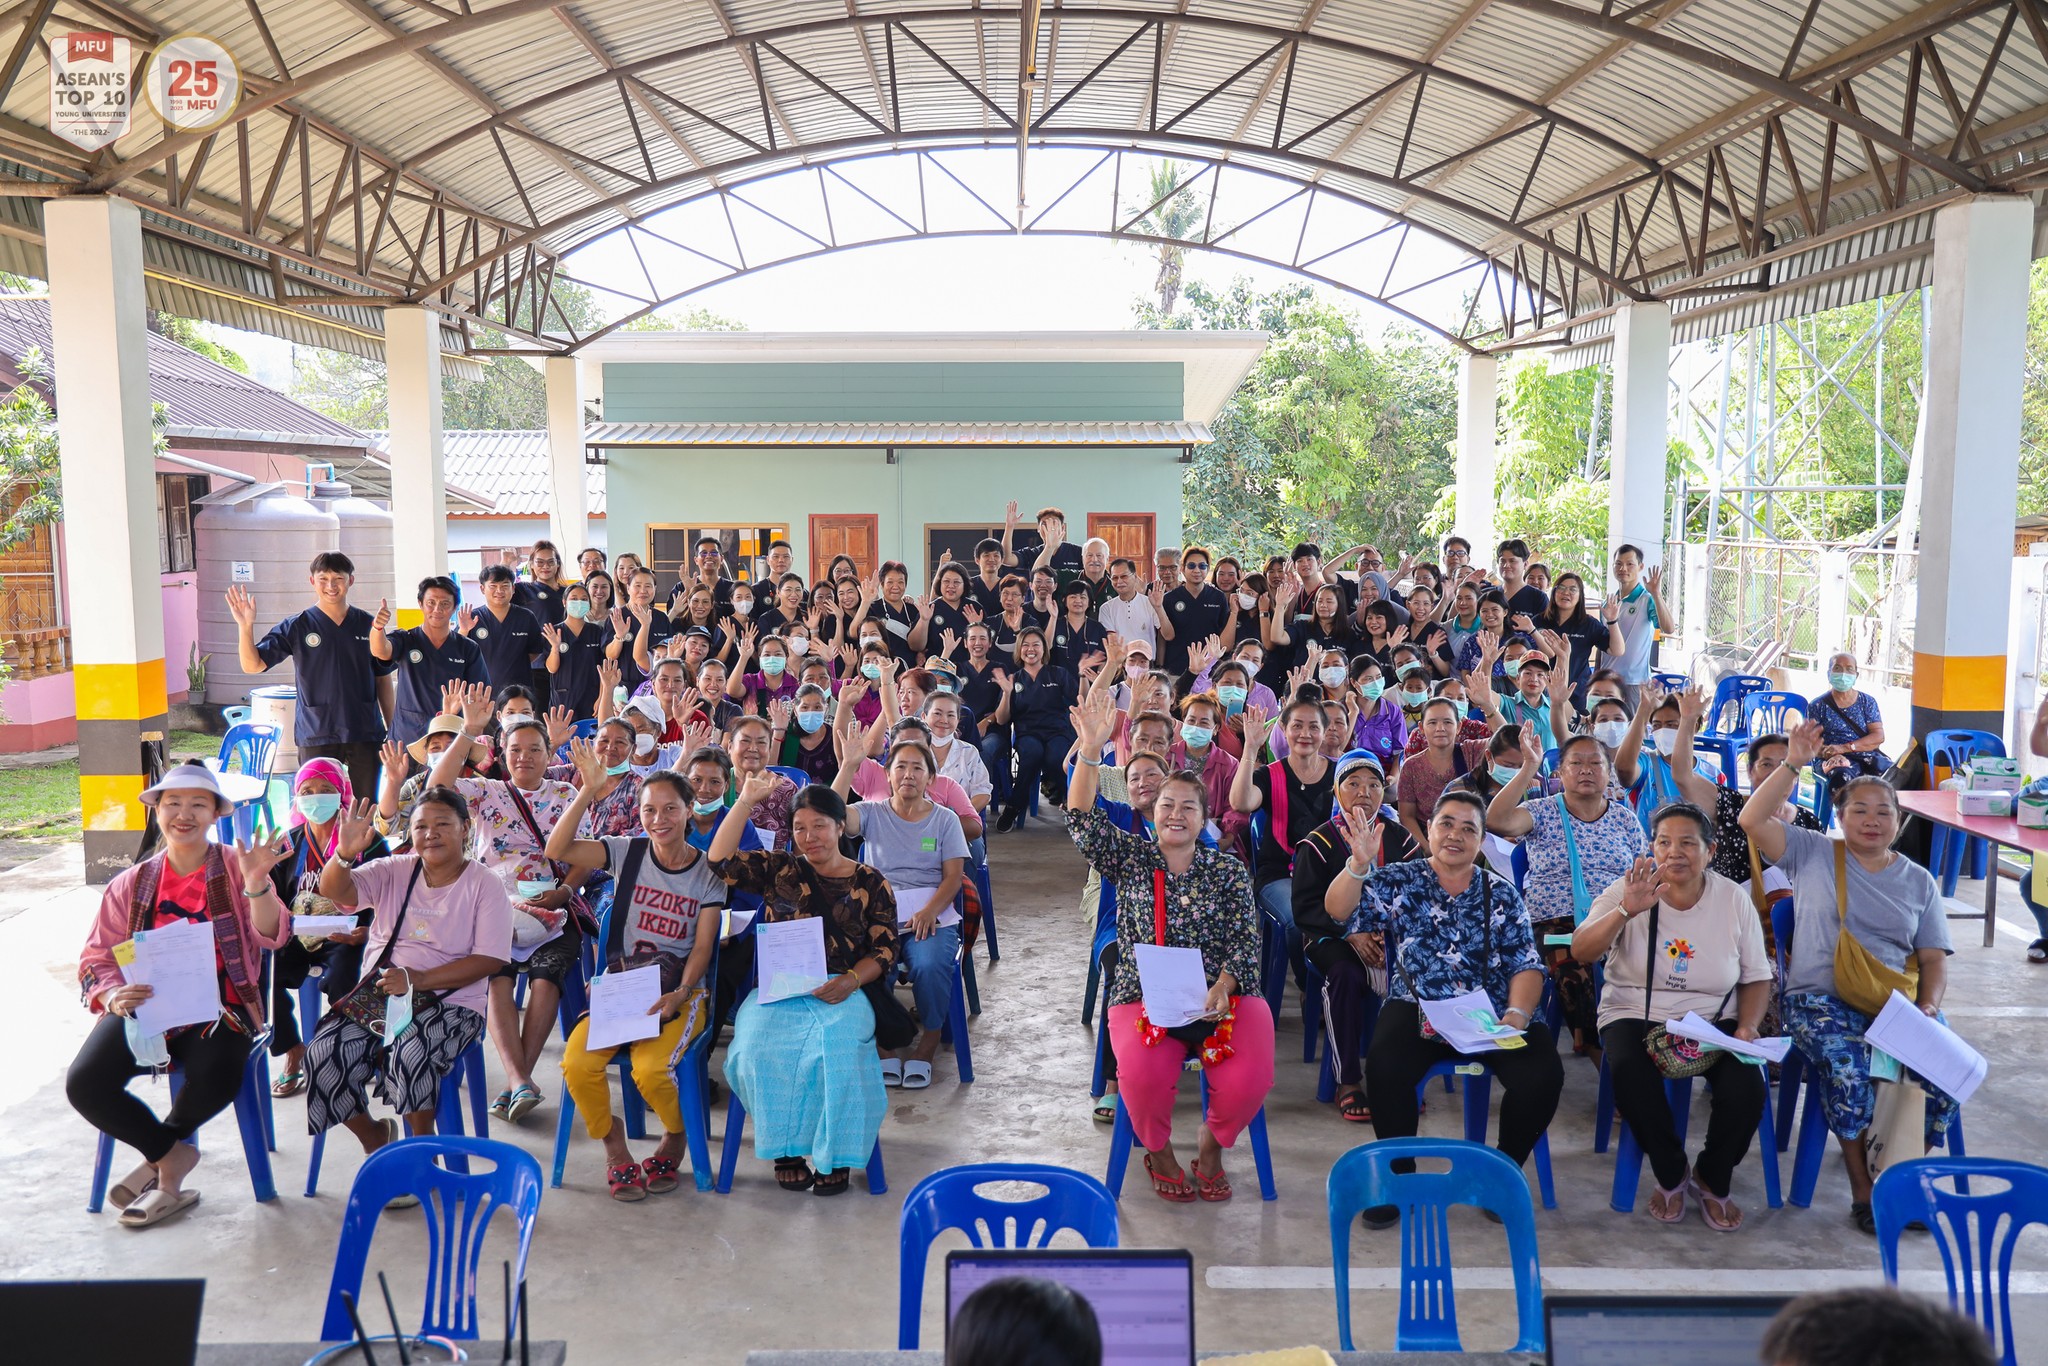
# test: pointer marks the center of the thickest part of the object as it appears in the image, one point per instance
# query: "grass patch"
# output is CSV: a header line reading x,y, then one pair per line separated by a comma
x,y
39,802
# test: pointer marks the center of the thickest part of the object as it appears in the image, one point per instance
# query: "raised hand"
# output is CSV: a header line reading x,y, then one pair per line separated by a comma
x,y
1804,743
1094,722
748,635
1257,727
452,694
1532,750
1640,886
972,612
392,755
779,712
1692,706
1156,595
1010,515
242,603
870,589
1654,577
1524,623
696,736
1398,636
852,690
561,726
1363,834
476,707
465,619
356,832
553,635
949,641
1610,610
687,701
1002,679
264,852
589,767
383,617
608,676
1489,651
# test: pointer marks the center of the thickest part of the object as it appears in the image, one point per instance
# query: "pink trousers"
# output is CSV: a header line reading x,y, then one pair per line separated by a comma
x,y
1148,1078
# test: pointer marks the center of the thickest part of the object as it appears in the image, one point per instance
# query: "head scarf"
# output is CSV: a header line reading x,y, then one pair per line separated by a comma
x,y
333,773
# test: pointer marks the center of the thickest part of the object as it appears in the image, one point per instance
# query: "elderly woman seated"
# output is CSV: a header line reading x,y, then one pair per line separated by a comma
x,y
1679,937
804,1065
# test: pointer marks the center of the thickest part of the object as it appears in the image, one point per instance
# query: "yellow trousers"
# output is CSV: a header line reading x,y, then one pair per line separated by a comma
x,y
654,1060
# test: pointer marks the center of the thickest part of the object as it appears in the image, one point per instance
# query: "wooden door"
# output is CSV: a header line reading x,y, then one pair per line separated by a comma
x,y
854,534
1129,535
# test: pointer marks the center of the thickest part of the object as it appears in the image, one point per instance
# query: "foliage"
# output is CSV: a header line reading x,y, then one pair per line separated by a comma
x,y
347,388
31,472
195,672
2034,400
189,334
1170,210
692,319
1332,437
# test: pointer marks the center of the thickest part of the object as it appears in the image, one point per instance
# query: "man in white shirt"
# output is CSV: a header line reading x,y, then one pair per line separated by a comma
x,y
1131,615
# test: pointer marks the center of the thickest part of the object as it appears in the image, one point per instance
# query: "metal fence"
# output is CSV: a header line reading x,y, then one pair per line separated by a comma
x,y
1804,599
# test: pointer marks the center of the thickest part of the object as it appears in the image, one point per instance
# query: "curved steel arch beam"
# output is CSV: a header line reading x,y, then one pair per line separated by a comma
x,y
1167,145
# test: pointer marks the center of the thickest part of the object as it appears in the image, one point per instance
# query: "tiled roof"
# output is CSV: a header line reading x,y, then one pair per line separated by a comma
x,y
203,400
508,467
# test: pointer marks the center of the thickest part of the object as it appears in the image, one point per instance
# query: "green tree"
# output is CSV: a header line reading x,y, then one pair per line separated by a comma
x,y
2034,400
31,472
1170,210
692,319
191,335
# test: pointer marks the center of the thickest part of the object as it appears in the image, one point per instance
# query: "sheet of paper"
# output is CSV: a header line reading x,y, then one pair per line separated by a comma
x,y
911,900
1703,1031
322,924
1468,1024
522,952
619,1002
177,961
736,920
1172,983
1928,1046
789,957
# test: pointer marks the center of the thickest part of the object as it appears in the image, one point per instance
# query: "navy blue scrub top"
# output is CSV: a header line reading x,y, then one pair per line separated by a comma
x,y
1194,617
544,601
1039,706
336,676
509,646
574,683
944,619
423,670
1070,646
660,628
897,623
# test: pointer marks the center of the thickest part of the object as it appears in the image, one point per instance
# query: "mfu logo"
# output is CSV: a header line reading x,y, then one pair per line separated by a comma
x,y
194,82
90,99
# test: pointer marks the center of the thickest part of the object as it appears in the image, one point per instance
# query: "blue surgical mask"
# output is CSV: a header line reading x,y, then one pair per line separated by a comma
x,y
1371,691
871,670
773,665
1505,775
809,721
617,770
708,808
577,608
529,888
1232,698
1842,682
1414,699
320,807
1196,737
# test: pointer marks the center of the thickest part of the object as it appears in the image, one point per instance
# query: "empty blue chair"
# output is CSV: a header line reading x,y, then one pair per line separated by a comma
x,y
950,1199
1478,1100
1723,737
1671,682
1951,749
1764,713
458,1206
252,1104
795,775
735,1136
1478,1176
1121,1140
249,748
985,890
1628,1158
1975,1228
468,1073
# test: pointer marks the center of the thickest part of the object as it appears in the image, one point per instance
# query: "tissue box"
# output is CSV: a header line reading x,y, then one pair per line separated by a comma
x,y
2032,812
1988,773
1974,803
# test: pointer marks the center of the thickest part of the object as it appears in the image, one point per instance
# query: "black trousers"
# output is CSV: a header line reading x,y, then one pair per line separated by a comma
x,y
1737,1106
358,758
1531,1078
1347,1001
340,966
97,1084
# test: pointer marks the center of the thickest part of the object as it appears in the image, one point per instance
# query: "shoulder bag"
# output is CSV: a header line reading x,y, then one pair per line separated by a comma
x,y
364,1005
1861,981
1676,1058
1582,901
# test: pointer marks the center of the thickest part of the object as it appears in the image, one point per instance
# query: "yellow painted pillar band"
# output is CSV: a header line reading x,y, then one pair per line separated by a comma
x,y
1959,683
111,801
120,692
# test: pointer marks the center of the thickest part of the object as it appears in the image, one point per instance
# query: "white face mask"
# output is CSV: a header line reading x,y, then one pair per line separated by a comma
x,y
1610,733
799,647
643,743
1334,676
1247,601
1666,741
742,605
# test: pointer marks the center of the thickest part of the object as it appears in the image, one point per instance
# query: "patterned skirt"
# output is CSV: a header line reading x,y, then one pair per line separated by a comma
x,y
1830,1033
810,1079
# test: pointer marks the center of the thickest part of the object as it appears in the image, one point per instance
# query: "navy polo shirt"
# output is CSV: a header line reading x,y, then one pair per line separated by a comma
x,y
897,623
660,627
946,618
721,595
1194,617
508,646
423,669
574,683
988,599
336,676
979,692
1529,599
1065,561
1039,706
545,601
1070,646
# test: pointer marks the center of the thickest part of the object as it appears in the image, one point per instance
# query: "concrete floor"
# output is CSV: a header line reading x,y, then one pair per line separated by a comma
x,y
708,1277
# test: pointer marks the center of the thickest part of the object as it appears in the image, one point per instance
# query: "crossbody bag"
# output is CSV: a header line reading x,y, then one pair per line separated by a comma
x,y
364,1004
1675,1057
1861,981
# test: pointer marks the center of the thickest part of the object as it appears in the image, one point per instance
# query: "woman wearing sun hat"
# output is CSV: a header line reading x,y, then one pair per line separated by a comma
x,y
188,881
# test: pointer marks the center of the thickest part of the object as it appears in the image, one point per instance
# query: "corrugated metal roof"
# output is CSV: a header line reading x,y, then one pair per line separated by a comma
x,y
199,396
508,470
873,434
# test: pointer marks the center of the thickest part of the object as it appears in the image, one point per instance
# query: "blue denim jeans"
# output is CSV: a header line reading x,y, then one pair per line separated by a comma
x,y
931,973
1277,898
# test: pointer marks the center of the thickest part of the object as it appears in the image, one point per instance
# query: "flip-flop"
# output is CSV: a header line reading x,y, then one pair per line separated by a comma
x,y
524,1101
1673,1202
1211,1188
1721,1213
892,1071
502,1104
288,1085
916,1075
1352,1106
155,1207
2037,952
1103,1111
132,1187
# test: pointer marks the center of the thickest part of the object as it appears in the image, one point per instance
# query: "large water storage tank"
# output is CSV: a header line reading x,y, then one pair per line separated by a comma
x,y
264,544
366,539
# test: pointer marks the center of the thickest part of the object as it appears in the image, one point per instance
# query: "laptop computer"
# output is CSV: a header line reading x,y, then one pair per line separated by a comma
x,y
137,1323
1657,1330
1143,1298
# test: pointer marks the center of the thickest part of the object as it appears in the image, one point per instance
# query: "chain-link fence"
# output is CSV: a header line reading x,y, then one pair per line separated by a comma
x,y
1804,599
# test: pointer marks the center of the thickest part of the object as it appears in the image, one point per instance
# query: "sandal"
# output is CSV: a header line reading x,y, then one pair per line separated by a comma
x,y
2037,952
288,1085
523,1102
833,1182
794,1174
661,1174
1667,1206
1351,1105
501,1105
132,1187
1719,1211
1860,1215
157,1206
1175,1190
892,1071
626,1182
916,1075
1215,1188
1103,1111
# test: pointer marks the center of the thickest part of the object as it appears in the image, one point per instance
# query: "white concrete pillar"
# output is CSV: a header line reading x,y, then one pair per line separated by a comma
x,y
568,505
1970,478
412,374
97,327
1478,386
1642,406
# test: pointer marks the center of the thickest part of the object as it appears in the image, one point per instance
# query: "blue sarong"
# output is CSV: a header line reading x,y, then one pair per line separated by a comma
x,y
810,1078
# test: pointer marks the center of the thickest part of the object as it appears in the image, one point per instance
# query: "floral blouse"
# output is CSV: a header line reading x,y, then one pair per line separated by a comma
x,y
1439,941
1731,841
859,910
616,813
771,816
1607,849
1209,907
502,841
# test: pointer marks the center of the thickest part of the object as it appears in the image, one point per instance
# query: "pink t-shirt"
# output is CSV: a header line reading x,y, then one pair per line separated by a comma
x,y
871,784
442,924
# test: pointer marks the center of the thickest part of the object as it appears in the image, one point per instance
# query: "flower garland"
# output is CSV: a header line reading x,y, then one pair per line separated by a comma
x,y
1215,1049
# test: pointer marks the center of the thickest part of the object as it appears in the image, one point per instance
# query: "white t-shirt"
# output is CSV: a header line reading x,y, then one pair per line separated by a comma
x,y
1702,954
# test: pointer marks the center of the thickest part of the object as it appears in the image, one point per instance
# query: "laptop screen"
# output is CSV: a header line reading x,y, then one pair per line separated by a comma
x,y
1658,1330
137,1323
1144,1299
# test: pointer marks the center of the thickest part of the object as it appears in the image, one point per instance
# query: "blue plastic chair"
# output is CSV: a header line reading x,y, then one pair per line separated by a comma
x,y
1478,1100
248,748
458,1206
955,1030
251,1119
468,1073
795,775
1628,1158
735,1136
1976,1229
1672,682
1766,712
1951,749
1727,741
984,889
950,1199
1121,1140
1478,1176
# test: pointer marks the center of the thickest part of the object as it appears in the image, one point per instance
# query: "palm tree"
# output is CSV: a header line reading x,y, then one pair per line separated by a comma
x,y
1175,215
